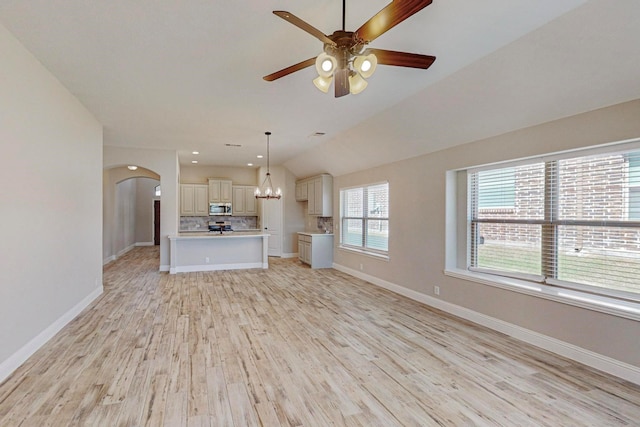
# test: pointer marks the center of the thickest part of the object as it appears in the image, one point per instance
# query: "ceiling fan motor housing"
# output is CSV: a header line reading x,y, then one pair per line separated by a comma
x,y
345,47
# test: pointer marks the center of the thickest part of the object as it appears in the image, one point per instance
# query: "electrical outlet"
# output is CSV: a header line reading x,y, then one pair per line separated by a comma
x,y
206,259
436,290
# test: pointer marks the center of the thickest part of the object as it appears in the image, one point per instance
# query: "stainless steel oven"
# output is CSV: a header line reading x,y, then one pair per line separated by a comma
x,y
220,209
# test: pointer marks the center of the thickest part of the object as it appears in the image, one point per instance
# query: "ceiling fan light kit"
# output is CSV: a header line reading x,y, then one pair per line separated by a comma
x,y
345,61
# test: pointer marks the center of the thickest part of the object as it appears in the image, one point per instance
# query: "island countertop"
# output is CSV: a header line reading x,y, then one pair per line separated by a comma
x,y
216,235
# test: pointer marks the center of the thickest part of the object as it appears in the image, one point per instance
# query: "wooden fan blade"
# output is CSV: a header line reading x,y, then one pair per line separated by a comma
x,y
390,16
291,18
341,82
292,69
402,59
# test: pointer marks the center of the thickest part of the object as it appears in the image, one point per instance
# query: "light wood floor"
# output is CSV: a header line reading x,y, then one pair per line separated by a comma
x,y
292,346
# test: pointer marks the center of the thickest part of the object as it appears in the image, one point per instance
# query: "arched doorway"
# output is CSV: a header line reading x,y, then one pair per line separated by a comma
x,y
129,210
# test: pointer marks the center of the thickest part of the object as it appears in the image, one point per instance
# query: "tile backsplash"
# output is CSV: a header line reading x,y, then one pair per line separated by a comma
x,y
325,224
201,223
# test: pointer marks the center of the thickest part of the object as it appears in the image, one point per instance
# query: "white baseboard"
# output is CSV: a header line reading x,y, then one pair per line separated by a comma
x,y
164,268
125,250
19,357
143,244
595,360
108,260
290,255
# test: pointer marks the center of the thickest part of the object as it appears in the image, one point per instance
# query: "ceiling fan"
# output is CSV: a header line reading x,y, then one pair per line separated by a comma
x,y
345,57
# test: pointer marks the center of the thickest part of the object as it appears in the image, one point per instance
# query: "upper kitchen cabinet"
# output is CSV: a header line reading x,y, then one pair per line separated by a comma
x,y
244,201
220,191
318,192
301,191
194,200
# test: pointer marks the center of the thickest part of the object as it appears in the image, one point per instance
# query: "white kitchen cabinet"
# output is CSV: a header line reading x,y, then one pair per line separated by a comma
x,y
316,249
244,201
194,200
320,194
317,191
304,249
311,197
301,191
220,191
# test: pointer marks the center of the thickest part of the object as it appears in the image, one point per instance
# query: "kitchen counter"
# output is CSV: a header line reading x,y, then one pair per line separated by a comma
x,y
205,231
216,234
208,251
314,233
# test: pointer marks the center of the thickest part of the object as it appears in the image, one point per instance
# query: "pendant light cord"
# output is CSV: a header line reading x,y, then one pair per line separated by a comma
x,y
267,133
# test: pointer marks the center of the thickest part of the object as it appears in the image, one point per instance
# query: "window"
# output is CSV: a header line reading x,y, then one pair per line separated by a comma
x,y
157,191
364,215
574,222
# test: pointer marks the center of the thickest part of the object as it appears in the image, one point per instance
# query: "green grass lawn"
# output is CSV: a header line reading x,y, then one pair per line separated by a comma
x,y
610,271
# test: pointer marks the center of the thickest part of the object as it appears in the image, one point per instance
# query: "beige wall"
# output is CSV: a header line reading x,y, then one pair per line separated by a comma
x,y
51,204
200,174
293,215
418,221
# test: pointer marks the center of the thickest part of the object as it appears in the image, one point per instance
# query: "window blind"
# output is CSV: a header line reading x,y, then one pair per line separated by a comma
x,y
572,222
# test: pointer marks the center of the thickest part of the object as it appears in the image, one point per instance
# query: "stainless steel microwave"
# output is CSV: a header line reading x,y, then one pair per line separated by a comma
x,y
219,208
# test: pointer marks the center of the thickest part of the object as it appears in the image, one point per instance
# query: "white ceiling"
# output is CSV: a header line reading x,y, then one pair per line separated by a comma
x,y
188,75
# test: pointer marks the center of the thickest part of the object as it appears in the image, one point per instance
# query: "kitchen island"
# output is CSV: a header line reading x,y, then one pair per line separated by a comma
x,y
208,251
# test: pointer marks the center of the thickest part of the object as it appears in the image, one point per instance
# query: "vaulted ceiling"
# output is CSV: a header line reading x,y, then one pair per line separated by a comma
x,y
187,75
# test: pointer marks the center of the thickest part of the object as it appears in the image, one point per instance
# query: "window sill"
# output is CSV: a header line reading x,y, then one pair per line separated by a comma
x,y
366,253
626,309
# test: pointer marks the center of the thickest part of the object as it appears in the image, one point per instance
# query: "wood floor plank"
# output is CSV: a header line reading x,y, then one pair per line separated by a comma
x,y
292,346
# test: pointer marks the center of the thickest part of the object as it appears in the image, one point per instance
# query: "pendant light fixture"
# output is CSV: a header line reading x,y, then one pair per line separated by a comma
x,y
265,191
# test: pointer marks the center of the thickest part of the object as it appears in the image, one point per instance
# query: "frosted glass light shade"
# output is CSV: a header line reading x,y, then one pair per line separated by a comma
x,y
357,84
323,83
366,65
326,65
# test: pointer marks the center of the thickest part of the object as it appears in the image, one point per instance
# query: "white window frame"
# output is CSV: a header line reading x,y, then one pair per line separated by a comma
x,y
365,219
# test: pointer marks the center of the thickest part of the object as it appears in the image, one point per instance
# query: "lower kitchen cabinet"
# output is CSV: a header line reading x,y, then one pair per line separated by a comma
x,y
316,249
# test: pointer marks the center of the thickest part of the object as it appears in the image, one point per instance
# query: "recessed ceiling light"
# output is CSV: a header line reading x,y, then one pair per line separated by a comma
x,y
259,156
318,134
249,164
233,145
132,167
195,152
194,161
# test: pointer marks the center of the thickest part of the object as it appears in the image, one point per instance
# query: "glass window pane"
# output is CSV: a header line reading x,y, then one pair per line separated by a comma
x,y
511,193
634,204
378,234
607,257
496,188
509,247
378,201
593,188
353,202
352,232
